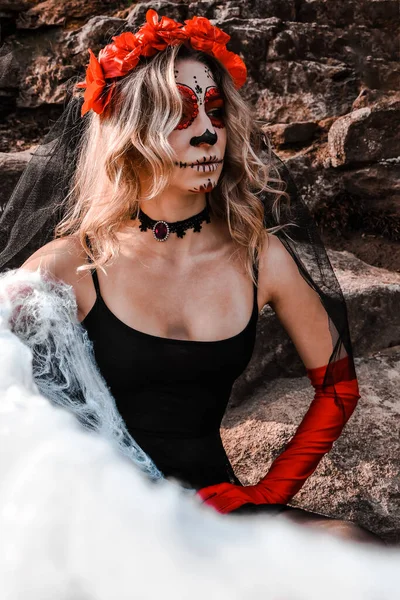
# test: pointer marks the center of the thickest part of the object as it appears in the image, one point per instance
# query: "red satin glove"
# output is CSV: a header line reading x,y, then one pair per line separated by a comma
x,y
319,429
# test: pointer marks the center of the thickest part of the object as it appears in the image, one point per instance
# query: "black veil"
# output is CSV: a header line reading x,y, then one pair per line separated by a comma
x,y
37,205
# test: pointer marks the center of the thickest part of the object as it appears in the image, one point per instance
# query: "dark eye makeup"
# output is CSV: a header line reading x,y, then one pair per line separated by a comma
x,y
214,106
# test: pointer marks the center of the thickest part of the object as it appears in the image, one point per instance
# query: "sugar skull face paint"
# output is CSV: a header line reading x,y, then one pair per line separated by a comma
x,y
199,140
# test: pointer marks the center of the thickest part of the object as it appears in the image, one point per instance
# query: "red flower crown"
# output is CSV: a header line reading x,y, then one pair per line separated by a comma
x,y
120,57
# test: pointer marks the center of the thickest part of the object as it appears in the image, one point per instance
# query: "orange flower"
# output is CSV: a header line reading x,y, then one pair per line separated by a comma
x,y
95,83
203,35
233,63
156,35
122,56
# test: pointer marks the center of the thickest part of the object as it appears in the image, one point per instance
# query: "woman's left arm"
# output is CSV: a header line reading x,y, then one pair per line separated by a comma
x,y
303,315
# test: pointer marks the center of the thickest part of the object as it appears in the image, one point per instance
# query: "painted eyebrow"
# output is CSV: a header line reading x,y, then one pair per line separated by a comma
x,y
187,86
205,91
216,94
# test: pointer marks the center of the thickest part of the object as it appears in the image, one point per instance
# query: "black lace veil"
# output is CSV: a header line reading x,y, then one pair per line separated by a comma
x,y
37,205
37,202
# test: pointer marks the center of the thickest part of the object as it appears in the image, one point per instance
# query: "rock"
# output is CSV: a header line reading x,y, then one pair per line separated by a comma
x,y
371,248
48,60
359,479
378,185
376,14
282,134
372,297
23,129
366,198
51,12
97,32
174,10
318,184
228,10
315,41
17,5
304,91
367,134
217,10
368,97
11,166
41,69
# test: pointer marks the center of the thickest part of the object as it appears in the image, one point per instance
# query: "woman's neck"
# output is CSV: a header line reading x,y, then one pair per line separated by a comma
x,y
172,208
194,243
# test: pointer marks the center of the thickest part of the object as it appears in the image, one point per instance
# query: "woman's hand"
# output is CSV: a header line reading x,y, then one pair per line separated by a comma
x,y
226,497
321,426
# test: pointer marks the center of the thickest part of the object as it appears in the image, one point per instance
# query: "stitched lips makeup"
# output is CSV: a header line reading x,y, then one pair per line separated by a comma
x,y
206,164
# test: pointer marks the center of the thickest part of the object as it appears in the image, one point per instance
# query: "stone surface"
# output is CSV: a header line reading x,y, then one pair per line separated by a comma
x,y
359,479
363,13
304,91
17,5
371,248
292,133
367,134
136,14
362,197
378,186
11,166
91,35
52,12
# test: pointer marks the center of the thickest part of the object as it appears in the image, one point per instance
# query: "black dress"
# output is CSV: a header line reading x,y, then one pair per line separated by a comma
x,y
172,394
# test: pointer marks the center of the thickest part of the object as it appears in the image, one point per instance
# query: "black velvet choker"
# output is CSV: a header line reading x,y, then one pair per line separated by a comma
x,y
162,229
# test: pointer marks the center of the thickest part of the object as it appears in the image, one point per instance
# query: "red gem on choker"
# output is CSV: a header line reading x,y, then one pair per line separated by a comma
x,y
161,231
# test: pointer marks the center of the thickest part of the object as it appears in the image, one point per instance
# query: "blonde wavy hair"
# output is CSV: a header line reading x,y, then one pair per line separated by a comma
x,y
145,109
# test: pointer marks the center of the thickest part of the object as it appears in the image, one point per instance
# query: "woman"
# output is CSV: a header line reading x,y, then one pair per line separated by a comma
x,y
171,156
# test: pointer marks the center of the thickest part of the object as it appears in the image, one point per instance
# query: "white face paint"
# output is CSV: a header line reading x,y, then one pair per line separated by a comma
x,y
199,141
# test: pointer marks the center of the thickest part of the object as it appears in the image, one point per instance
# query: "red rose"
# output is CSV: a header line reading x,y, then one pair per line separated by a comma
x,y
95,83
203,35
156,35
233,63
122,56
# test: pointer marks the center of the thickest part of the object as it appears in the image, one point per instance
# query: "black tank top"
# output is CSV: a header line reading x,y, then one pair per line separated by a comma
x,y
172,394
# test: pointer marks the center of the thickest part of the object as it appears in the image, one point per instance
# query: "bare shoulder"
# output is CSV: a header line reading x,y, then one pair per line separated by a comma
x,y
277,269
60,258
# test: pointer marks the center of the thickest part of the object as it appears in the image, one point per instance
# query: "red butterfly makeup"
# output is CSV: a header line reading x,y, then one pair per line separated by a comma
x,y
190,106
213,104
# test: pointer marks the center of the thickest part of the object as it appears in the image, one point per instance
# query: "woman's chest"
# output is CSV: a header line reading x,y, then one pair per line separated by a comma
x,y
206,300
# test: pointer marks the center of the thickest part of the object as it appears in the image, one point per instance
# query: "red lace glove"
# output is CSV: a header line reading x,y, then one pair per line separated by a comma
x,y
319,429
